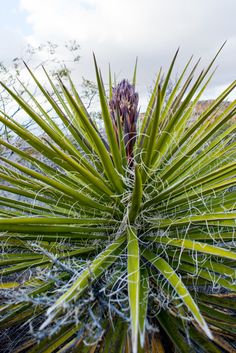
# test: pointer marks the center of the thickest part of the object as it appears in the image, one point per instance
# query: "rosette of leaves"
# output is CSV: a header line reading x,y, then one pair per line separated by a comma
x,y
123,240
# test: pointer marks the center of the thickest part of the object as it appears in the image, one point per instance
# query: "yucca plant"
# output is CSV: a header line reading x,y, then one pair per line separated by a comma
x,y
120,240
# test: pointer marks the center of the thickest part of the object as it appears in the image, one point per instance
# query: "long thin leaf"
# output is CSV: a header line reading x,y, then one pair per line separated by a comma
x,y
167,271
133,268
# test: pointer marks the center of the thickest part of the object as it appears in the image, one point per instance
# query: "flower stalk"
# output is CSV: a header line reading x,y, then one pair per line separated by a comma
x,y
124,112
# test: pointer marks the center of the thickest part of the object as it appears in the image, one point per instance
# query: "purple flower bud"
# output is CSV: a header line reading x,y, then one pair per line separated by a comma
x,y
124,103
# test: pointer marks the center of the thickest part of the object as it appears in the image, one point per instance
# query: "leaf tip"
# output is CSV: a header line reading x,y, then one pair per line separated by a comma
x,y
207,331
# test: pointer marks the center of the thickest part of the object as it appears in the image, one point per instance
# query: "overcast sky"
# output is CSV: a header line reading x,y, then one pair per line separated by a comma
x,y
119,30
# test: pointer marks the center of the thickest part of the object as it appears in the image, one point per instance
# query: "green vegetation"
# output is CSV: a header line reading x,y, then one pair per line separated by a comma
x,y
124,242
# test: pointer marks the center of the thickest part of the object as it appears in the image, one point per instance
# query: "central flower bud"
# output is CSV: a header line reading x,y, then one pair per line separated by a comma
x,y
124,106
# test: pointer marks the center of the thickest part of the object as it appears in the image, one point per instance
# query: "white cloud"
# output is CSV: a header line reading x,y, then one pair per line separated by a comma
x,y
12,44
152,29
